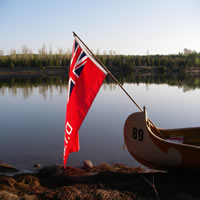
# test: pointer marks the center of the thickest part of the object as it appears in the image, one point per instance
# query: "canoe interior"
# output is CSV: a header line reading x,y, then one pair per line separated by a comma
x,y
191,135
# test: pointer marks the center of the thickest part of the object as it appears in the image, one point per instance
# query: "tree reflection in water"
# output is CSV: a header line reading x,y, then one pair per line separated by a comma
x,y
27,84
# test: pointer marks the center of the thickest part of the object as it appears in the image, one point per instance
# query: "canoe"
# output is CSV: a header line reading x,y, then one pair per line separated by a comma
x,y
163,149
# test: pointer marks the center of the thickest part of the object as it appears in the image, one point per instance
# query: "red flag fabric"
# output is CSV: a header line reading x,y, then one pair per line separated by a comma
x,y
86,76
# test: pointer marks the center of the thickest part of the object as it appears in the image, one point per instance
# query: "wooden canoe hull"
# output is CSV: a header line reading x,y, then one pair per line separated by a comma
x,y
147,147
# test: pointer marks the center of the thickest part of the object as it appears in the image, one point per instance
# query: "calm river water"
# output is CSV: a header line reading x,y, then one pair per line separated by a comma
x,y
32,117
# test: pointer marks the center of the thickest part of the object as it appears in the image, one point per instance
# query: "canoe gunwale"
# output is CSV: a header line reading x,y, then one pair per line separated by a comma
x,y
171,130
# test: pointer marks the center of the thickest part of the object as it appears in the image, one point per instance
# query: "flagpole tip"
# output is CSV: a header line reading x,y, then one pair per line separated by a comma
x,y
74,33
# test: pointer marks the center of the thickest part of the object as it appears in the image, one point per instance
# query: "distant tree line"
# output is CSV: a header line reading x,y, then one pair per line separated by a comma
x,y
186,81
41,60
124,63
165,62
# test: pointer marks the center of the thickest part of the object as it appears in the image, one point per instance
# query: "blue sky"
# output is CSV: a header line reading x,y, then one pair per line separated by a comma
x,y
124,26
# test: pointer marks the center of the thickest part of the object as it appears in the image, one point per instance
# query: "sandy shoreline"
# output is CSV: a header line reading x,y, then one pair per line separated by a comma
x,y
100,182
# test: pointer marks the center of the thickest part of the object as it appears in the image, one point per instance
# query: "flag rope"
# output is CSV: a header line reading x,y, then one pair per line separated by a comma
x,y
113,77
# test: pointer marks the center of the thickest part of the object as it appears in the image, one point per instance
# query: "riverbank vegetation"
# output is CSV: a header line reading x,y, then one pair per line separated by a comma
x,y
44,59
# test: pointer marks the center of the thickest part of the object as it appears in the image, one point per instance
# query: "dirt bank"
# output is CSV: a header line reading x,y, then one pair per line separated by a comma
x,y
137,70
100,182
28,71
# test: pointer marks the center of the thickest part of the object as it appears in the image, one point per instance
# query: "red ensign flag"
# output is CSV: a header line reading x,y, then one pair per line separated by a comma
x,y
85,79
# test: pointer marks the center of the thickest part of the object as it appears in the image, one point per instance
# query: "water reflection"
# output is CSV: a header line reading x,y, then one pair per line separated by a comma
x,y
33,114
26,84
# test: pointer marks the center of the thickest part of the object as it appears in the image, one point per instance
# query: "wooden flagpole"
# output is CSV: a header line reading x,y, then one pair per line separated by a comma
x,y
113,77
